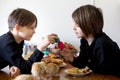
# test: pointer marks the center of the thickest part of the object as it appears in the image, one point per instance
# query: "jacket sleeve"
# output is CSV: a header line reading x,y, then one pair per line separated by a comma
x,y
12,54
81,60
106,57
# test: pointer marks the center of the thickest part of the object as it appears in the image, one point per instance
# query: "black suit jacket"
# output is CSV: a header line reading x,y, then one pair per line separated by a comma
x,y
102,56
11,54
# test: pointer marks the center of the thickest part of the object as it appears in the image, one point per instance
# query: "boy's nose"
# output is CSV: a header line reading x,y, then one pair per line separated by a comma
x,y
33,31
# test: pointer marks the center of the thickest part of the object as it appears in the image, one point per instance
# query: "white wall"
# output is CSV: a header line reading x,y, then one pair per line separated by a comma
x,y
54,16
111,12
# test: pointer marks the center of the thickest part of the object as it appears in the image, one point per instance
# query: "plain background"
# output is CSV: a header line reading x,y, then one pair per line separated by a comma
x,y
54,16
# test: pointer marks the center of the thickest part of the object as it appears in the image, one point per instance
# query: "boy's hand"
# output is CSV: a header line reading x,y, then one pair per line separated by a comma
x,y
67,55
49,39
14,71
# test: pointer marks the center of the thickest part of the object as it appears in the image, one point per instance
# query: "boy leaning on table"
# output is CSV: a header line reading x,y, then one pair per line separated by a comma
x,y
22,24
97,50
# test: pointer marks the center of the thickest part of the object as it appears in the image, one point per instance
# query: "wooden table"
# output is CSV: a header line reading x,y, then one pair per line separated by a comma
x,y
4,75
63,76
91,76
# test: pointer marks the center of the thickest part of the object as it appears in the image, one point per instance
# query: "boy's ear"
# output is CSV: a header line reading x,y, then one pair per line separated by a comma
x,y
17,27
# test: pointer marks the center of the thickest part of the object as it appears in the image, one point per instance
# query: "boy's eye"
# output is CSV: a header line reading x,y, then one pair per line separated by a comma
x,y
32,28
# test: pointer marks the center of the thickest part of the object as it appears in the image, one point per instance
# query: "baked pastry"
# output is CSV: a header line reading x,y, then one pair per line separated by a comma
x,y
52,69
59,62
51,55
47,60
24,77
76,70
38,70
84,70
73,70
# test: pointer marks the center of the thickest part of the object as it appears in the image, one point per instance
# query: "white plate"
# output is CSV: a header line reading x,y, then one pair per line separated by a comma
x,y
80,74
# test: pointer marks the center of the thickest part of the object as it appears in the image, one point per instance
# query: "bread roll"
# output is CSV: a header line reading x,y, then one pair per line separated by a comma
x,y
25,77
52,69
59,62
38,70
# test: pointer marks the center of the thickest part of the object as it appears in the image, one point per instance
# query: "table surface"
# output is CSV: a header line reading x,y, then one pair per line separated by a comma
x,y
4,75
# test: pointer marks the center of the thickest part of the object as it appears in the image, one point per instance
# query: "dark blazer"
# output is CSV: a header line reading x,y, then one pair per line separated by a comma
x,y
102,56
11,54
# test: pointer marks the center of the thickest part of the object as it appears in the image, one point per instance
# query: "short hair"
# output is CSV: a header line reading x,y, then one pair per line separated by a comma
x,y
89,18
21,17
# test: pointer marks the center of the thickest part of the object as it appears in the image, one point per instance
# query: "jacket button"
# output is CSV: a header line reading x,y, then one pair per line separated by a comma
x,y
89,60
